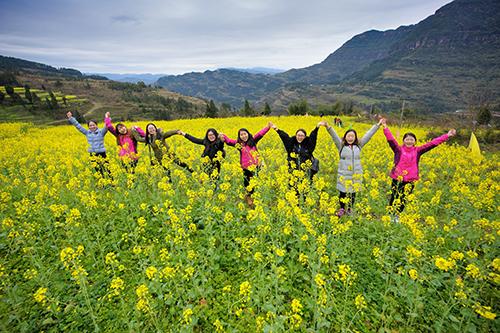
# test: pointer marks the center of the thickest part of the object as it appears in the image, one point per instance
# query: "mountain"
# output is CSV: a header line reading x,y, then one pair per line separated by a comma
x,y
88,96
448,61
147,78
257,70
10,64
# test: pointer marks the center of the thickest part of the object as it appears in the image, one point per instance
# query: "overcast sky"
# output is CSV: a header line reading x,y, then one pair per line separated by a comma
x,y
174,37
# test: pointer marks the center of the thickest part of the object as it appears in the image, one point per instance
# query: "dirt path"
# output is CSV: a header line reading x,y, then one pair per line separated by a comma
x,y
96,106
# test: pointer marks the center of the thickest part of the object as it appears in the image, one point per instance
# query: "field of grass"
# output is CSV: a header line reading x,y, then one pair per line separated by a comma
x,y
144,252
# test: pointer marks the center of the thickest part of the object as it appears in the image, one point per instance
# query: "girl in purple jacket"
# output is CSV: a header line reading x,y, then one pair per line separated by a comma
x,y
404,174
249,155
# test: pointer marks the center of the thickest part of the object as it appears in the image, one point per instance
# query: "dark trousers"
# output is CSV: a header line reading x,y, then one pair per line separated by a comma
x,y
350,199
247,175
101,163
209,169
130,165
399,190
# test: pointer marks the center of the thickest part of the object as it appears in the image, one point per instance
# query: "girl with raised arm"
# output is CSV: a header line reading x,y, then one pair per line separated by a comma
x,y
405,172
350,170
95,139
300,148
155,139
213,150
127,142
249,155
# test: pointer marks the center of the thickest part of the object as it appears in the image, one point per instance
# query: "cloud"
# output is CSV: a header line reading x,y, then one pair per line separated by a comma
x,y
193,35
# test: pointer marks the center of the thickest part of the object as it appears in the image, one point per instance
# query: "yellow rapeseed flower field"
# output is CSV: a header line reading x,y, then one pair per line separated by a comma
x,y
146,252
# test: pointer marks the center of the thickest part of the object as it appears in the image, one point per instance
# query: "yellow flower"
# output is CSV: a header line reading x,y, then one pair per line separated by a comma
x,y
320,280
296,306
484,311
245,290
443,264
303,259
360,302
186,316
473,271
279,252
413,274
151,272
40,296
376,252
258,256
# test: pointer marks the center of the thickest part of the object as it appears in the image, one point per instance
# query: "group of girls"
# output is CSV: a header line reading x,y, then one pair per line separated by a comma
x,y
299,149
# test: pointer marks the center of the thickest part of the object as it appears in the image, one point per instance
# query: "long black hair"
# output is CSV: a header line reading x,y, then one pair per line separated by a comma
x,y
149,137
356,142
250,142
206,141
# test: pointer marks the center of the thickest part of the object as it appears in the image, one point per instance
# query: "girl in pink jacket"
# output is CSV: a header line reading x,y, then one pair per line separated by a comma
x,y
404,174
126,141
249,155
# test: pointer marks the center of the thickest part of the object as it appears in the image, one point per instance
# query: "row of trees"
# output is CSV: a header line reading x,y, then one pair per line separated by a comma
x,y
30,98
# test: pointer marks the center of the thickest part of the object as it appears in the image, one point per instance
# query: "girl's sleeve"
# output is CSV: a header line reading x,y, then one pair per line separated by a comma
x,y
432,144
79,127
390,139
193,139
260,134
285,138
230,142
335,137
109,126
168,134
314,138
371,132
137,135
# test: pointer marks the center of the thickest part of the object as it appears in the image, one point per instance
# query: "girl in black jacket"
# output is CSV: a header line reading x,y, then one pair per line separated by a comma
x,y
213,145
300,148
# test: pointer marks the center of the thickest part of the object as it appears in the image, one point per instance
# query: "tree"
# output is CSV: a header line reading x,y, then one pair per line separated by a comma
x,y
483,115
267,110
247,110
211,110
27,94
53,100
299,107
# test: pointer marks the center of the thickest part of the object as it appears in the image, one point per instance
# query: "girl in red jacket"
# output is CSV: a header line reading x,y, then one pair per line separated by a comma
x,y
404,174
249,155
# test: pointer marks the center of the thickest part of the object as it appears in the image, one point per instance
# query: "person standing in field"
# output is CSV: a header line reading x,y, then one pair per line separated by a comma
x,y
213,151
95,139
405,172
155,140
249,155
350,170
300,149
127,142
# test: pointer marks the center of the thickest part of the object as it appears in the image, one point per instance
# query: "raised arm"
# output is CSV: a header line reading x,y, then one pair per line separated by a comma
x,y
138,136
262,132
314,136
285,138
109,124
168,134
335,137
390,138
192,138
435,142
368,135
230,142
75,123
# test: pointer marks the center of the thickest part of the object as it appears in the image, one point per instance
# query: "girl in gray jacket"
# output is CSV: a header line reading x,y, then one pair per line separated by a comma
x,y
95,139
350,171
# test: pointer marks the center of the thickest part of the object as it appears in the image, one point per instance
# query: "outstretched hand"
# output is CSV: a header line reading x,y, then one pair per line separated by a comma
x,y
107,114
69,114
181,133
270,125
221,136
383,122
323,123
452,132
